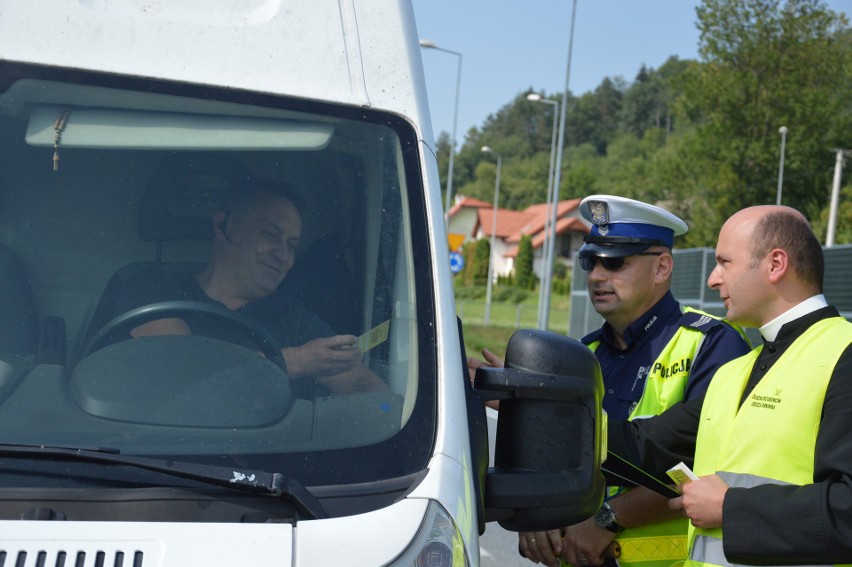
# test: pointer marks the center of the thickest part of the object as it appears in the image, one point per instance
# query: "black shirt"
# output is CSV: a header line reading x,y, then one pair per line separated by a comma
x,y
289,323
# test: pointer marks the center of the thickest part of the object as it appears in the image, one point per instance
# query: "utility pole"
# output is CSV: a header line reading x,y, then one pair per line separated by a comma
x,y
835,197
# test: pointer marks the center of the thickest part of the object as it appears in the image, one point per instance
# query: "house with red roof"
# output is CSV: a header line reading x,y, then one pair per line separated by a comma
x,y
472,219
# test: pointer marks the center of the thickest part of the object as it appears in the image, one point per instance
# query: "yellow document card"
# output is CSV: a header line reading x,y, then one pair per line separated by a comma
x,y
374,337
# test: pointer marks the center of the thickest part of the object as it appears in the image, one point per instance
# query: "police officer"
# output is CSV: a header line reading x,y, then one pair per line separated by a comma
x,y
653,354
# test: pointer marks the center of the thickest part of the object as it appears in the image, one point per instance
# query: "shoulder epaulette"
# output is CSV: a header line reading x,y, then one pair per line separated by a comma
x,y
699,321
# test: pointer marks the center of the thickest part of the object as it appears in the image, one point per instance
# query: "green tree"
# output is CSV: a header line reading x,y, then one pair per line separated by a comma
x,y
469,254
526,127
698,137
685,178
843,226
767,65
582,168
524,277
649,101
442,152
523,181
594,116
481,258
481,186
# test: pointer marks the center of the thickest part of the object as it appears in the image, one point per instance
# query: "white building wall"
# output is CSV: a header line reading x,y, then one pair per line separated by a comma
x,y
463,222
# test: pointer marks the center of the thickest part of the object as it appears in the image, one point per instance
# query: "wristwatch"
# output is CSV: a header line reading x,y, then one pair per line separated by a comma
x,y
605,518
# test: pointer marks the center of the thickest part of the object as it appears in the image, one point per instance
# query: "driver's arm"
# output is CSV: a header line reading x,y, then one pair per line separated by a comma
x,y
322,357
171,326
335,362
144,286
359,379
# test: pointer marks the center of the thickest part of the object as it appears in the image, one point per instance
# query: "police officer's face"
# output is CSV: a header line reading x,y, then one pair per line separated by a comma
x,y
262,246
622,295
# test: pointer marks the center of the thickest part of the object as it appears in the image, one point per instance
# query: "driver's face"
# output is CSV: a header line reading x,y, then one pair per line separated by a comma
x,y
262,248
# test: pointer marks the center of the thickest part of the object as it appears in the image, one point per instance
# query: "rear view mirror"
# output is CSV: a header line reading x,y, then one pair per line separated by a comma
x,y
550,433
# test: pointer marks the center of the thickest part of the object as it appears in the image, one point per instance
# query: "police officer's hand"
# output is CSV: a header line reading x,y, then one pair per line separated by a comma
x,y
586,543
491,360
541,547
323,357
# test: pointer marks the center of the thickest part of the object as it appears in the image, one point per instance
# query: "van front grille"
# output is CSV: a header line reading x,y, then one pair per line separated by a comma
x,y
35,557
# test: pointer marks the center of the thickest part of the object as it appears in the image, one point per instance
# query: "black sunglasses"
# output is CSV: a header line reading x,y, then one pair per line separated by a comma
x,y
610,264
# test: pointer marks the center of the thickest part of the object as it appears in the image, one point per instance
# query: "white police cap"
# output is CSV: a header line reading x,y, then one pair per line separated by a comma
x,y
623,227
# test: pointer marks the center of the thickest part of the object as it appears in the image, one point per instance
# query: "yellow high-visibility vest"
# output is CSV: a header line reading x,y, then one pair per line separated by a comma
x,y
663,544
743,444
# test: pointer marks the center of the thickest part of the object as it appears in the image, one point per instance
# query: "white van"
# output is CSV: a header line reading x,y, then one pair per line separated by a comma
x,y
124,126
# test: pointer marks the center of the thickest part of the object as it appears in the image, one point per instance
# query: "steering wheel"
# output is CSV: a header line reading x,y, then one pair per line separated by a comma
x,y
124,323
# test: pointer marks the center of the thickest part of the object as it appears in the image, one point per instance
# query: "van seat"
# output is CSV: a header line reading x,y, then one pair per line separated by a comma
x,y
19,330
183,193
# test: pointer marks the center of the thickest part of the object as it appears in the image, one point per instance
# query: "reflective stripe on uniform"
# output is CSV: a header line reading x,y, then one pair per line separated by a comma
x,y
711,549
653,548
741,480
707,550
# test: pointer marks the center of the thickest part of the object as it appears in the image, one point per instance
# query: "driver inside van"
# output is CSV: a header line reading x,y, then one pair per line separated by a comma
x,y
254,242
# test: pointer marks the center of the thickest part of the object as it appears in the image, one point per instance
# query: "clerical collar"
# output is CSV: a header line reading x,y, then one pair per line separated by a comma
x,y
769,331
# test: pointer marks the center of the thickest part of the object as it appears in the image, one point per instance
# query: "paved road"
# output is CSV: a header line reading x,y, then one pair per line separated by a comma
x,y
499,548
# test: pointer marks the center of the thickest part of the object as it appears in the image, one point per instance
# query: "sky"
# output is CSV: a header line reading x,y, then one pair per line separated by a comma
x,y
509,46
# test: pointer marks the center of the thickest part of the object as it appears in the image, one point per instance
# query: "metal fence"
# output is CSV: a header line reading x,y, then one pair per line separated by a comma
x,y
689,285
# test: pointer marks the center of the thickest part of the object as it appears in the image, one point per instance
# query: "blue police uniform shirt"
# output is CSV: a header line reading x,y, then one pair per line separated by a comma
x,y
624,371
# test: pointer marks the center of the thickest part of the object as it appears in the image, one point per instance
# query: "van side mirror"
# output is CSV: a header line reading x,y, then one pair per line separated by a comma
x,y
550,433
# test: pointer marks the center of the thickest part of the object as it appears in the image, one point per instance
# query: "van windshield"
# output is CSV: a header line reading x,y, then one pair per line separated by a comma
x,y
211,277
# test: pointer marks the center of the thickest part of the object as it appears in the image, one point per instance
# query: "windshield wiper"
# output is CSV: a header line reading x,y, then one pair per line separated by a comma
x,y
257,482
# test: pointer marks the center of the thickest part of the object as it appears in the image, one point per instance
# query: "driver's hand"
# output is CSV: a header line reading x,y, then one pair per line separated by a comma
x,y
323,357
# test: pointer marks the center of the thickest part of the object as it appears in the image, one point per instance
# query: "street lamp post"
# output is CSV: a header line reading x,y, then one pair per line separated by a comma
x,y
561,142
550,220
426,44
835,196
783,131
487,318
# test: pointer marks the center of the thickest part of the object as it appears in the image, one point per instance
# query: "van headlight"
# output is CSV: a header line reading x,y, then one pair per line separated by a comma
x,y
438,543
